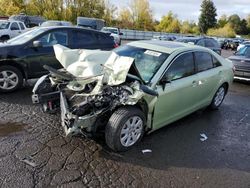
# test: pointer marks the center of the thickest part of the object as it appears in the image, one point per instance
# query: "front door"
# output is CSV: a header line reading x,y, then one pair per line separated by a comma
x,y
44,55
15,30
178,97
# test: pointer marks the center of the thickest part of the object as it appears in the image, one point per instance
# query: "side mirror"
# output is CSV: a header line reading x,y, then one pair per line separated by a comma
x,y
121,34
165,80
37,44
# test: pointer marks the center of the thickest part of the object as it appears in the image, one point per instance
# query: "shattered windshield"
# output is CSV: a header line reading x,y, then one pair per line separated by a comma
x,y
147,62
4,25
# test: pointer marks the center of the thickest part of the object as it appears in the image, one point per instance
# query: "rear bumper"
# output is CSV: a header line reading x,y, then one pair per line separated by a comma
x,y
242,74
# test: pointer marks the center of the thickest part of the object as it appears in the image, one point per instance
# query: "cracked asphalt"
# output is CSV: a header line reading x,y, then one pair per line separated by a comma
x,y
35,153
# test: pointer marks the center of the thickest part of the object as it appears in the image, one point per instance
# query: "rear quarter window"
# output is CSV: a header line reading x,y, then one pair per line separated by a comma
x,y
203,61
85,37
103,38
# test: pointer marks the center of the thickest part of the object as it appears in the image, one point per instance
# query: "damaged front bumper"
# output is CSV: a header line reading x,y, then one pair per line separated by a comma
x,y
73,124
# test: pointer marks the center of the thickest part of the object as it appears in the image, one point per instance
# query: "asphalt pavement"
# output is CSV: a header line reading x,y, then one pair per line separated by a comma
x,y
34,151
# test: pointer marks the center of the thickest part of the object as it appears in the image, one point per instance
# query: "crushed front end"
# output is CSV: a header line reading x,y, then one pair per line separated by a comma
x,y
89,90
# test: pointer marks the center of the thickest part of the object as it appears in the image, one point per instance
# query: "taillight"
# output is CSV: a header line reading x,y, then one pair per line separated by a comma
x,y
116,45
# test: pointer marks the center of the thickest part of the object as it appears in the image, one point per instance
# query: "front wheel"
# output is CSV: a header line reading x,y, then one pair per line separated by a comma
x,y
218,97
10,78
125,128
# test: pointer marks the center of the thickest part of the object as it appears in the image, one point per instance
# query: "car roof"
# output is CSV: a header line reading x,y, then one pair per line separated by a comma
x,y
163,46
70,27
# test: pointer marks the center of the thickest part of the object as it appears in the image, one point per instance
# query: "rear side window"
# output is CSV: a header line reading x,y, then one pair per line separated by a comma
x,y
182,67
83,37
21,25
103,38
203,61
14,26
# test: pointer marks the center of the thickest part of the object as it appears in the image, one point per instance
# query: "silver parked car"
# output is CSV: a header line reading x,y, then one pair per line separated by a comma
x,y
241,61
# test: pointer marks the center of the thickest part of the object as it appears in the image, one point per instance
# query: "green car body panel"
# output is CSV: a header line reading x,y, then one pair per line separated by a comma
x,y
184,96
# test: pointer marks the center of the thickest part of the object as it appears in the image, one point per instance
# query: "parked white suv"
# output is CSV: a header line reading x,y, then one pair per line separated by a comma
x,y
10,29
115,33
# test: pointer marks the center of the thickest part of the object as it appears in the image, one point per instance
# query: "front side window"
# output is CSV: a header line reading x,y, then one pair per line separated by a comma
x,y
147,62
55,37
182,67
14,26
203,61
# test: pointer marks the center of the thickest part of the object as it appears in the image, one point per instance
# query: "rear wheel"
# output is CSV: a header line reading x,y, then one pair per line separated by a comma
x,y
218,97
125,128
10,78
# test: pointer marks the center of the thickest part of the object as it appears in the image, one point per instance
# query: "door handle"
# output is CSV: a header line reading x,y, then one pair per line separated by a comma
x,y
194,83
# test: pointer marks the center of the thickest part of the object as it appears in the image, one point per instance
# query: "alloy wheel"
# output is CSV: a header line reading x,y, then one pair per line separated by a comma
x,y
219,96
8,80
131,131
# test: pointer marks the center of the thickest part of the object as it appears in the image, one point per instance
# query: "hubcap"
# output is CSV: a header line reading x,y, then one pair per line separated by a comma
x,y
8,79
219,96
131,131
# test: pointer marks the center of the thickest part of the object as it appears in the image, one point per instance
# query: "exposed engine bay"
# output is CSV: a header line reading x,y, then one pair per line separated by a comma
x,y
89,88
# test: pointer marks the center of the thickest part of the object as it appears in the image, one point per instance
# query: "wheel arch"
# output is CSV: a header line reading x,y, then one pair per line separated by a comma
x,y
16,65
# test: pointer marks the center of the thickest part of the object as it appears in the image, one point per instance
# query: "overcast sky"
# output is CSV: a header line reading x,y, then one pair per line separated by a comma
x,y
190,9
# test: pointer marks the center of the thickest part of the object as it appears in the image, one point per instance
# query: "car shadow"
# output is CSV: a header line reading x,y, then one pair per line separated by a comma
x,y
179,145
22,96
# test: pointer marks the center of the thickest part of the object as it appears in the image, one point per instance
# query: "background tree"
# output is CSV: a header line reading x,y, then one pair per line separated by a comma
x,y
10,7
208,15
226,31
222,21
125,19
169,23
142,15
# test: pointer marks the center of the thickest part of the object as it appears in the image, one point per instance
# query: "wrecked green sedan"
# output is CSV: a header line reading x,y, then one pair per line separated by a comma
x,y
133,90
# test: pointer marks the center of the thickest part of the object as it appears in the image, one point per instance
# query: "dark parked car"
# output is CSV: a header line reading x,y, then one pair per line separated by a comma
x,y
203,41
56,23
241,61
24,56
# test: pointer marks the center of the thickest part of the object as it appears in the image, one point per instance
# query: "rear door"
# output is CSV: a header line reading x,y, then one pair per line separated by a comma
x,y
209,72
178,97
14,29
22,27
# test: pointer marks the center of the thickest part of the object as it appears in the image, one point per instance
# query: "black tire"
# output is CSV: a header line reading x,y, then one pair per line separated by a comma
x,y
216,104
5,38
117,122
18,75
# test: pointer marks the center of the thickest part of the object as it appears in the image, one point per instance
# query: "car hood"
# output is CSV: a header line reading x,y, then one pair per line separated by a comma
x,y
87,65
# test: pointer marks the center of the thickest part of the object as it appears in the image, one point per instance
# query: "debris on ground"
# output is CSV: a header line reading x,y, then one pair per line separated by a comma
x,y
203,137
29,161
146,151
